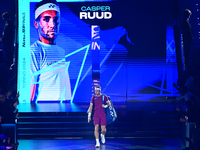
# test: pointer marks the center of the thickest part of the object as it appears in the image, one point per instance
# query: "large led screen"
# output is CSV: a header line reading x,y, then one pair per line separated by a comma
x,y
67,49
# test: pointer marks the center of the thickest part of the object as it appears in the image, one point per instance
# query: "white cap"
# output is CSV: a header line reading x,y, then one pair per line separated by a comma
x,y
45,7
97,88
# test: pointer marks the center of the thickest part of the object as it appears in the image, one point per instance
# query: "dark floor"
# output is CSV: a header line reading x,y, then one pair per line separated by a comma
x,y
111,144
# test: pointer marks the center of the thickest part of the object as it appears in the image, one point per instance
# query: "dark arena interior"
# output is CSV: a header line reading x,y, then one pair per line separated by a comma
x,y
99,74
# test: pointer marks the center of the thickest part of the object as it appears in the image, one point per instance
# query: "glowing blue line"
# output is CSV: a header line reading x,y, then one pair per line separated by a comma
x,y
68,63
107,55
65,87
39,92
159,88
113,76
40,84
163,81
43,71
63,95
87,72
85,47
77,81
39,72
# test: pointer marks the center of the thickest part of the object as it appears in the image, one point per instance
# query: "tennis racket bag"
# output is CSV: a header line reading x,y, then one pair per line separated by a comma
x,y
111,114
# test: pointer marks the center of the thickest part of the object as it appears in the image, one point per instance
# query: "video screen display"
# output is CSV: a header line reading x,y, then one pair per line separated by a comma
x,y
66,49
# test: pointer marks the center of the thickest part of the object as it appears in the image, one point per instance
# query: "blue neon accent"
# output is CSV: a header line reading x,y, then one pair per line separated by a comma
x,y
39,72
67,63
43,70
163,81
87,72
80,49
63,96
111,79
41,84
160,88
77,81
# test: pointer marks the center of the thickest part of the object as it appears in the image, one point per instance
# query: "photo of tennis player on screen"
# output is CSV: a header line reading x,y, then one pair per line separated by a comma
x,y
49,70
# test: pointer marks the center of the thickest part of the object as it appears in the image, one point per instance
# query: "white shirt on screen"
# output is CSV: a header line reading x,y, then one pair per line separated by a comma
x,y
49,75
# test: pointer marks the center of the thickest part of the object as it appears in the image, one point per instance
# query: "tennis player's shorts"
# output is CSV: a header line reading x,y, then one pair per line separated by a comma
x,y
100,118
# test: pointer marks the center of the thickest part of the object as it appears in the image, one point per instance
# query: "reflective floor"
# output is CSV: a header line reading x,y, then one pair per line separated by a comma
x,y
111,144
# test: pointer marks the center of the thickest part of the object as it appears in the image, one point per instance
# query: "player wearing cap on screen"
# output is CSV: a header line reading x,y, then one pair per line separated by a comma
x,y
49,78
99,117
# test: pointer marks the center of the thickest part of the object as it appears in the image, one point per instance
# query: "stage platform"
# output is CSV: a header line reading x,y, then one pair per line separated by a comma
x,y
140,125
83,107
